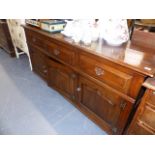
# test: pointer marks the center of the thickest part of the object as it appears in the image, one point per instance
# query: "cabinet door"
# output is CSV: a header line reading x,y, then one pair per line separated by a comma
x,y
103,103
62,79
5,39
39,61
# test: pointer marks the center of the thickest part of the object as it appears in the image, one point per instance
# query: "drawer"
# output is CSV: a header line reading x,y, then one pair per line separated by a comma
x,y
35,40
58,51
62,53
148,116
140,129
151,98
111,76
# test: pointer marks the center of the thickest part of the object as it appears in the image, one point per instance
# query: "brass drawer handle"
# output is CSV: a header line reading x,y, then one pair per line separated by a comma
x,y
123,105
56,52
45,71
99,71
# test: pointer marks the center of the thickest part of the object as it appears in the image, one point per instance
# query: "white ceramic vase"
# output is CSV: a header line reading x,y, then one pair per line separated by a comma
x,y
114,31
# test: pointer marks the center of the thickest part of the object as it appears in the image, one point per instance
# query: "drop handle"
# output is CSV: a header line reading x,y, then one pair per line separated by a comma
x,y
99,71
123,105
56,52
45,71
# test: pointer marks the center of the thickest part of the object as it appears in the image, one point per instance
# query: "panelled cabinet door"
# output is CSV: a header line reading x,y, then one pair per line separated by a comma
x,y
38,61
63,79
102,102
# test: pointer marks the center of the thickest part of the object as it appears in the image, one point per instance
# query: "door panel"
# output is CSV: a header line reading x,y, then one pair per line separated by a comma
x,y
39,61
102,102
62,78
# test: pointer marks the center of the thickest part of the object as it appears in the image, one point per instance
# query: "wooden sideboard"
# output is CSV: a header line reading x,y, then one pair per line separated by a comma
x,y
100,80
143,122
5,38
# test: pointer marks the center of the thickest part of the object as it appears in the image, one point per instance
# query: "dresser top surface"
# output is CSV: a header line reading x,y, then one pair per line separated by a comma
x,y
138,58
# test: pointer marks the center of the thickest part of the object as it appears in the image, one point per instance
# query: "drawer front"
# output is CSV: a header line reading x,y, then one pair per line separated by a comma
x,y
104,73
36,40
151,98
55,50
140,129
144,118
62,53
148,116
